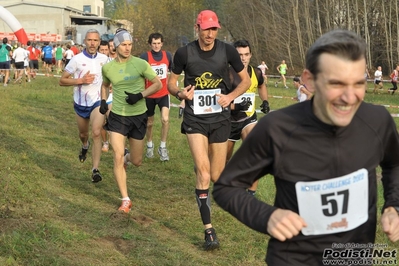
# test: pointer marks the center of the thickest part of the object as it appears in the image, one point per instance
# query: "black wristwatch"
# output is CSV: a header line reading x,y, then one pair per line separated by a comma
x,y
177,96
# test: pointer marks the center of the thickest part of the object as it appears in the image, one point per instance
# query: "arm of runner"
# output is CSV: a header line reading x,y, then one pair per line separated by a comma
x,y
186,94
155,86
225,99
65,79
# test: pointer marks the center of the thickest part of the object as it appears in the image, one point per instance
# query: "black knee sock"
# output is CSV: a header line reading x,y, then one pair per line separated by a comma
x,y
204,205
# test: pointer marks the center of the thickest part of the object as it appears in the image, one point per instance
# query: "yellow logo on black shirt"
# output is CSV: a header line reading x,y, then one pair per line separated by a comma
x,y
206,81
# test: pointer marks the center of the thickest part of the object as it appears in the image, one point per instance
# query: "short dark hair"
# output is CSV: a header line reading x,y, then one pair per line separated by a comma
x,y
5,40
156,36
297,79
342,43
103,43
243,44
28,43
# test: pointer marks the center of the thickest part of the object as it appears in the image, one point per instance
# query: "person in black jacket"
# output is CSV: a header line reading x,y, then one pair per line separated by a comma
x,y
323,154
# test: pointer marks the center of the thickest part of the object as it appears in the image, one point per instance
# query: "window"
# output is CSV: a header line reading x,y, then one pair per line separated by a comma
x,y
87,9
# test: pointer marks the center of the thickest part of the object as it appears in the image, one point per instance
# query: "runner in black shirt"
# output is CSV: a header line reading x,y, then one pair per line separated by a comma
x,y
323,154
207,93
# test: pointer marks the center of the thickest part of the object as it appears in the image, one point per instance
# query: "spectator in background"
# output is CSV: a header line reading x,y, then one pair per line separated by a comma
x,y
59,55
74,48
5,57
19,55
394,80
282,69
302,94
47,53
34,55
263,67
68,54
112,50
378,79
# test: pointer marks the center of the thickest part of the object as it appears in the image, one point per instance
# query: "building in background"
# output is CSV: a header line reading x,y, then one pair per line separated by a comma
x,y
58,20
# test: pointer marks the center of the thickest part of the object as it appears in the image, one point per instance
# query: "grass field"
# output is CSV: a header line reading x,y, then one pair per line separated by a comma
x,y
51,213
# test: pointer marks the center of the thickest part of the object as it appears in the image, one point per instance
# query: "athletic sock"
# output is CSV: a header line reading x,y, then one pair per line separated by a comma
x,y
163,144
149,144
204,205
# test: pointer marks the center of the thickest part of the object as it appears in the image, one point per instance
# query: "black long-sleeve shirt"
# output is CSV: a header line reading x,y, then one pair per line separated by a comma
x,y
293,145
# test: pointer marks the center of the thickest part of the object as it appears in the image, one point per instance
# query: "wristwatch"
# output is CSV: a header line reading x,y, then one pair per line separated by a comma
x,y
177,96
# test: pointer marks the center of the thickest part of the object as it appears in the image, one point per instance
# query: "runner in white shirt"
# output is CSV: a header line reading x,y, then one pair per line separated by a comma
x,y
378,79
86,70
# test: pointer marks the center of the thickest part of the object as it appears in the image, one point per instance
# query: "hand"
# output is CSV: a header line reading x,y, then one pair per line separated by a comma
x,y
284,224
265,107
103,107
132,98
390,223
88,78
242,106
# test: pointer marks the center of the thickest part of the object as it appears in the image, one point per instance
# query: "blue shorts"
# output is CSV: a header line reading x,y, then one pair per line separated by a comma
x,y
48,61
5,65
85,111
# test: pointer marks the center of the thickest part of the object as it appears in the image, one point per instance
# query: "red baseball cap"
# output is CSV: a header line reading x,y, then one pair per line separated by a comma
x,y
207,19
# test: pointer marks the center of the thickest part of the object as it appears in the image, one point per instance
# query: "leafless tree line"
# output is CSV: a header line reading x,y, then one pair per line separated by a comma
x,y
285,29
277,30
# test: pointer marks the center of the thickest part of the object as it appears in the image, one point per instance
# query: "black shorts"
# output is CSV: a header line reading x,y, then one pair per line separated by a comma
x,y
34,64
152,102
19,65
237,127
215,132
131,126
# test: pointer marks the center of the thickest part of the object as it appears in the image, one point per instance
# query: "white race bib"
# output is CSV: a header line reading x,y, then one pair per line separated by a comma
x,y
334,205
249,96
161,70
206,102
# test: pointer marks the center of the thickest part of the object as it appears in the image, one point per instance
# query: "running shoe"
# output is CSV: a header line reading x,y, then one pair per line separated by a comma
x,y
125,206
105,147
96,176
83,153
286,87
163,153
150,152
275,84
211,240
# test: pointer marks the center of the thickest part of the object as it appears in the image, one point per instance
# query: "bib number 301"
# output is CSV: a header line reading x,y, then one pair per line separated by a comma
x,y
206,102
